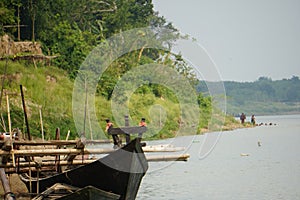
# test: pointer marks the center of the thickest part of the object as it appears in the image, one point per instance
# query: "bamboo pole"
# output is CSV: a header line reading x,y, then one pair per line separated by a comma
x,y
150,158
38,181
3,123
10,132
85,106
57,157
162,148
54,152
90,125
182,157
57,142
41,121
2,83
25,113
1,94
68,135
30,182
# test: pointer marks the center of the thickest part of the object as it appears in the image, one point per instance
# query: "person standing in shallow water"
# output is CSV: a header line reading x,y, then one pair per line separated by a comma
x,y
242,118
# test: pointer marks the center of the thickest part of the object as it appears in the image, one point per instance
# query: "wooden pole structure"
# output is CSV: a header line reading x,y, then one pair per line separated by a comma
x,y
25,113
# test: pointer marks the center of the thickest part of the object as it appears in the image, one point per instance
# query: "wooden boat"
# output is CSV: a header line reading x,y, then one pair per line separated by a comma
x,y
120,172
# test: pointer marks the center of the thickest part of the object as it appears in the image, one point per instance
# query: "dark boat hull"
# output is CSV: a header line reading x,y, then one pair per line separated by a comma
x,y
120,172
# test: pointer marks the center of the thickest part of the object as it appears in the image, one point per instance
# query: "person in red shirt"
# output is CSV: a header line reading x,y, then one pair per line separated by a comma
x,y
143,122
108,124
116,138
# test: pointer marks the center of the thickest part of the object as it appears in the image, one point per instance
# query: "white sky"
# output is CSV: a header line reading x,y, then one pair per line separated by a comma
x,y
246,39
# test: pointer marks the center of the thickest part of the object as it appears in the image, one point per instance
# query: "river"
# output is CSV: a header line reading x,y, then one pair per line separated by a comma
x,y
238,168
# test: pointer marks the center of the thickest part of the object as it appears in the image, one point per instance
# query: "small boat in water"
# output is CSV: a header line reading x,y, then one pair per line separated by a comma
x,y
120,173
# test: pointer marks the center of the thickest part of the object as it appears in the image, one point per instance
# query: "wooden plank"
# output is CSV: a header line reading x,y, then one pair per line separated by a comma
x,y
127,130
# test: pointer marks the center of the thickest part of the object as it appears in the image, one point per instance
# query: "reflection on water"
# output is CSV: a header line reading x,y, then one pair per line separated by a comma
x,y
270,171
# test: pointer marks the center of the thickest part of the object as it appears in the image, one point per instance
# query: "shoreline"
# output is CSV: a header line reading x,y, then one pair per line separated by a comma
x,y
18,187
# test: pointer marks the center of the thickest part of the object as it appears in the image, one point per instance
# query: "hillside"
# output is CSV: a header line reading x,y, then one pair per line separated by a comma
x,y
48,90
262,97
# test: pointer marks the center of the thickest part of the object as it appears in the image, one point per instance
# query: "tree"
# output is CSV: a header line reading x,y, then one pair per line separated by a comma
x,y
7,16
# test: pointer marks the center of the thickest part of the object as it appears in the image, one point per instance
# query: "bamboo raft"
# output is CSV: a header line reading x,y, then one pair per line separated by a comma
x,y
37,158
71,156
17,157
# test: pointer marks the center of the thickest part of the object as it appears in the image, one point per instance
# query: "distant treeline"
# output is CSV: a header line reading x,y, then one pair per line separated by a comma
x,y
264,96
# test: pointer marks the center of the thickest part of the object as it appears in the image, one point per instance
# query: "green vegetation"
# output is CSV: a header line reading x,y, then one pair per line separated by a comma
x,y
45,88
262,97
70,30
50,90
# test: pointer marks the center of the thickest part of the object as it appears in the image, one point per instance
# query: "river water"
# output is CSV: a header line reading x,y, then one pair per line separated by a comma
x,y
236,169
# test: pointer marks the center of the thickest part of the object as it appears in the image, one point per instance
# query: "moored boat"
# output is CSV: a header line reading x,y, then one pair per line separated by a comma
x,y
120,172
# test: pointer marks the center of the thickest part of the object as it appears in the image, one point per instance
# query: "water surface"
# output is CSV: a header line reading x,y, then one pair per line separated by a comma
x,y
270,171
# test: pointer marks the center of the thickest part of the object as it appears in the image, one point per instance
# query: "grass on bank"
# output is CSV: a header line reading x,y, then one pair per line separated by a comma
x,y
48,88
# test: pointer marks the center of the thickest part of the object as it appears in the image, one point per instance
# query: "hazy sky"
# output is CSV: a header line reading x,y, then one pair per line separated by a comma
x,y
246,39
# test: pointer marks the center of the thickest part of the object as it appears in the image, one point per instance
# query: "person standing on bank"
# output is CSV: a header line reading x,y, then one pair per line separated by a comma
x,y
253,120
242,118
143,122
116,139
108,124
